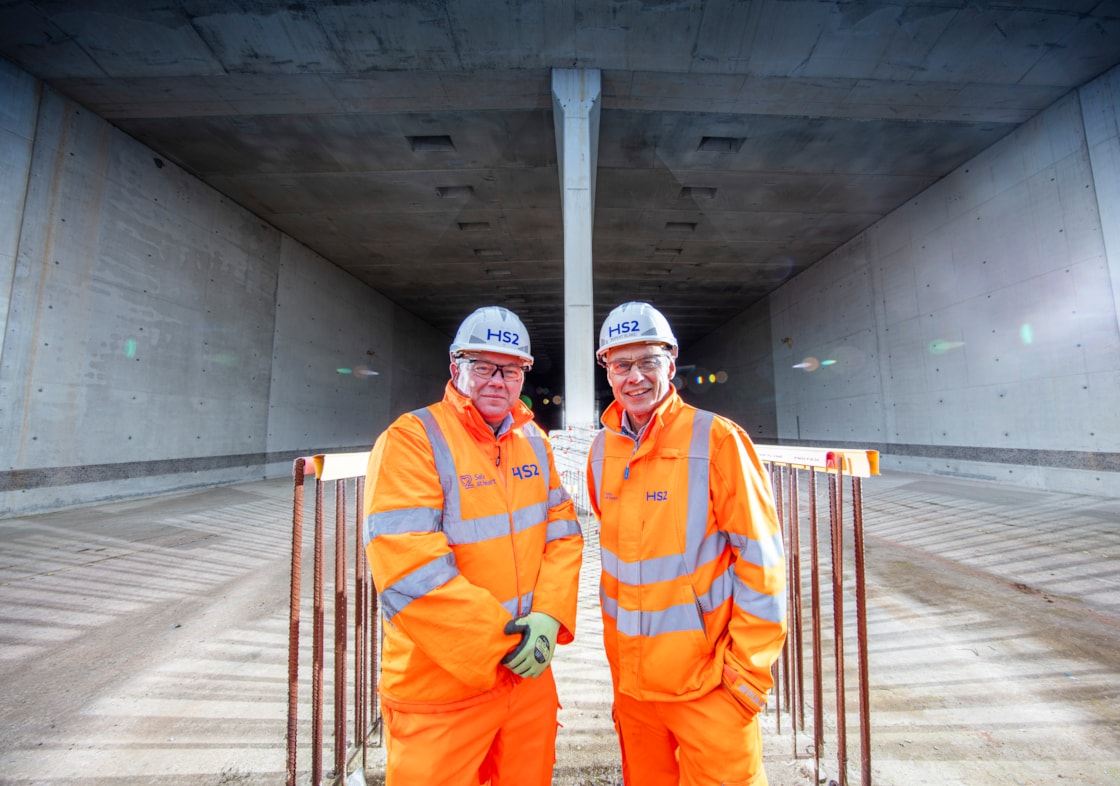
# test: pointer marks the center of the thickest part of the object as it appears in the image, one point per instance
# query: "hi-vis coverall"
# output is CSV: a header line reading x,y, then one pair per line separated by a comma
x,y
692,593
465,531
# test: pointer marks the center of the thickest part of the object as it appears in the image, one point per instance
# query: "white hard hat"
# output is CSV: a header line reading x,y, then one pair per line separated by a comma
x,y
635,323
492,329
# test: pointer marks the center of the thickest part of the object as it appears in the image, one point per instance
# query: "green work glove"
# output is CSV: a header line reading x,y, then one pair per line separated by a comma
x,y
538,642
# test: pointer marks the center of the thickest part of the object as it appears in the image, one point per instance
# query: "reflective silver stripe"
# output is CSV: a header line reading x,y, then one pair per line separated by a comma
x,y
529,516
665,568
723,587
536,440
758,604
487,527
418,583
476,530
558,496
561,528
445,465
764,553
398,522
525,603
696,523
610,605
645,571
653,623
608,560
597,449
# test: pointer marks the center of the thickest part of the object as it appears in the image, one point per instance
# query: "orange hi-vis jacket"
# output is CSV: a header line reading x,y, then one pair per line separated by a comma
x,y
693,580
464,530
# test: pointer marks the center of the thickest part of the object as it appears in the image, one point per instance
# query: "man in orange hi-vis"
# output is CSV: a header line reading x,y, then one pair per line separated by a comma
x,y
475,550
693,579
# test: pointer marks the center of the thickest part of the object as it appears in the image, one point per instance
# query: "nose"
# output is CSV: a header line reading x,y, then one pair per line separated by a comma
x,y
633,372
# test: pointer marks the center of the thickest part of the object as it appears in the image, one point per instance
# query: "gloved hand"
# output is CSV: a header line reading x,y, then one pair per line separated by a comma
x,y
538,642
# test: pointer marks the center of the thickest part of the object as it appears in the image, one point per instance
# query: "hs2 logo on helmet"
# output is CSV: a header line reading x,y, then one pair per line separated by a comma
x,y
503,336
622,328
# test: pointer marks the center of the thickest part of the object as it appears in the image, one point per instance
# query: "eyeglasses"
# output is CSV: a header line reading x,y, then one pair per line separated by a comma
x,y
646,365
511,372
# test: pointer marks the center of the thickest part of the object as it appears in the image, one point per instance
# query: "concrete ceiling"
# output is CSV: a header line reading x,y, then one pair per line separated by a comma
x,y
825,117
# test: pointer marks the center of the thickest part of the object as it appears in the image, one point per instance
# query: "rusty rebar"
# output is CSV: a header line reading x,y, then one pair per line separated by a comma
x,y
861,635
781,666
317,647
340,631
359,628
799,660
293,620
836,510
818,675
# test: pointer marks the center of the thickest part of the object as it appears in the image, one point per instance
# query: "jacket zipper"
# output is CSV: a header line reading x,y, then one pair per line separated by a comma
x,y
626,471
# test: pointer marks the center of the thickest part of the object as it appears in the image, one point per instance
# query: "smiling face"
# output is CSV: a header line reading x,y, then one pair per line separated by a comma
x,y
494,395
639,375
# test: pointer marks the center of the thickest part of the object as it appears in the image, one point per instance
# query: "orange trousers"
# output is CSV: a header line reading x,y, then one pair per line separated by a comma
x,y
708,741
506,739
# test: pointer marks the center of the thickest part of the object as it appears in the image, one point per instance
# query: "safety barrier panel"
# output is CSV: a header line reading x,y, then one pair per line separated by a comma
x,y
787,465
570,447
335,475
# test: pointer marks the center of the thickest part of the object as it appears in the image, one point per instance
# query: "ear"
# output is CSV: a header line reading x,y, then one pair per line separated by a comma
x,y
453,367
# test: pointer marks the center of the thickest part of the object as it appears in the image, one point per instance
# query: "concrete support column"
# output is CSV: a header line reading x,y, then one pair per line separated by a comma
x,y
1100,109
575,105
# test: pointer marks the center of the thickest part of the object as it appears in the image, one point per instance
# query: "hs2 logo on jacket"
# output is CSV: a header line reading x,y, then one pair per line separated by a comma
x,y
526,471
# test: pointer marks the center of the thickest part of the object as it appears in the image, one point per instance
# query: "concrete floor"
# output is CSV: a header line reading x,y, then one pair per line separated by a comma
x,y
145,642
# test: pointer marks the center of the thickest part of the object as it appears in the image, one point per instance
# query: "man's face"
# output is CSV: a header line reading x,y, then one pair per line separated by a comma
x,y
492,393
639,376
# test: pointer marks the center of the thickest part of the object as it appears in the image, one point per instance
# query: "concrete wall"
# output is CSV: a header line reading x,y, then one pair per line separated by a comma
x,y
743,385
158,337
974,331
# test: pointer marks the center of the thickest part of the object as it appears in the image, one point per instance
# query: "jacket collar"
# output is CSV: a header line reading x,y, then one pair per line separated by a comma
x,y
471,418
669,406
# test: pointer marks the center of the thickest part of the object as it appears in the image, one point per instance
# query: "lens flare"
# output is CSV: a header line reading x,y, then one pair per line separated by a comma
x,y
809,364
1026,333
130,348
721,377
940,346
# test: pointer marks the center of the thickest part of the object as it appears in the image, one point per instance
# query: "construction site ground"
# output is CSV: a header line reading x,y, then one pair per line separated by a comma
x,y
146,642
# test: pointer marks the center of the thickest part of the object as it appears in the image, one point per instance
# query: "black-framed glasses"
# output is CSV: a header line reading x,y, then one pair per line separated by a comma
x,y
511,372
646,365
